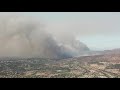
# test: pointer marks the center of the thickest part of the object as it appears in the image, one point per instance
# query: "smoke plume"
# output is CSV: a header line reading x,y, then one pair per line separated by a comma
x,y
26,37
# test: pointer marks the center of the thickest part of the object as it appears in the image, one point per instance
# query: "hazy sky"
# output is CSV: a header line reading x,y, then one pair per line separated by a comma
x,y
98,30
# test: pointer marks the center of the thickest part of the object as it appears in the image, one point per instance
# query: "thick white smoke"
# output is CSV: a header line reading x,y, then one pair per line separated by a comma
x,y
25,37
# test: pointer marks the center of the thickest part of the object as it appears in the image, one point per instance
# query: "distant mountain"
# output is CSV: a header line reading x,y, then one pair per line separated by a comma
x,y
106,55
113,51
93,53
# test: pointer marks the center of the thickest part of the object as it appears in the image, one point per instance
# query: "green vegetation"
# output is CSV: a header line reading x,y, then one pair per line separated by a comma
x,y
46,68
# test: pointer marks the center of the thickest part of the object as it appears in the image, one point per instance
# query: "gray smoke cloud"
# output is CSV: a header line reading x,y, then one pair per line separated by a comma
x,y
26,37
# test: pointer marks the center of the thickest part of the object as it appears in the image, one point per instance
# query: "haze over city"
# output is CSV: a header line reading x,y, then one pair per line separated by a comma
x,y
98,30
59,45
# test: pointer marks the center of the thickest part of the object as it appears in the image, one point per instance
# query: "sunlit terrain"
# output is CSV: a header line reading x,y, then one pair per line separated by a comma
x,y
98,66
59,45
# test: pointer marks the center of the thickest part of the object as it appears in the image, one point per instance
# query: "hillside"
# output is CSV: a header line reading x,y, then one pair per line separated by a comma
x,y
97,66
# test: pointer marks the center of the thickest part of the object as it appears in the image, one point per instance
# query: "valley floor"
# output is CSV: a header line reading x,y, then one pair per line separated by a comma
x,y
69,68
